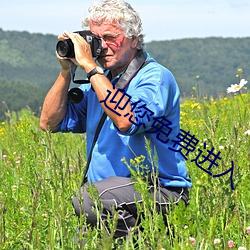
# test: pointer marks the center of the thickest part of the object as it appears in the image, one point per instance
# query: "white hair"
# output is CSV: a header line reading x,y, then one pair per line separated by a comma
x,y
120,13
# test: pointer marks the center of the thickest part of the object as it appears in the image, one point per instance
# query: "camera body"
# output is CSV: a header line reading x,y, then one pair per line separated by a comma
x,y
65,48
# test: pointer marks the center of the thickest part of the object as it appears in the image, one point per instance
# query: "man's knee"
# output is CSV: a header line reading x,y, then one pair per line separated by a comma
x,y
84,205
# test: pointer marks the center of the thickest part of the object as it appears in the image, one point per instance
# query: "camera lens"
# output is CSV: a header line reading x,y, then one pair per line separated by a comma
x,y
65,48
75,95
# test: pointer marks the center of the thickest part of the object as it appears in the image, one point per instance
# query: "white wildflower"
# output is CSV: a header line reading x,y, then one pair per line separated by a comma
x,y
247,133
237,87
242,248
217,241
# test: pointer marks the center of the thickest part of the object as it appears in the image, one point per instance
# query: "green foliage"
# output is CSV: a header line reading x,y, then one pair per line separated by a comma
x,y
40,172
211,61
28,58
208,64
14,95
28,68
36,184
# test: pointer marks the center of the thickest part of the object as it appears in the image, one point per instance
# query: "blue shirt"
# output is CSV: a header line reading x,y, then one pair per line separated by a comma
x,y
154,86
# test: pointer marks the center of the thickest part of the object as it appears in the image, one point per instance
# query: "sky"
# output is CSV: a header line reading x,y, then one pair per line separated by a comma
x,y
162,19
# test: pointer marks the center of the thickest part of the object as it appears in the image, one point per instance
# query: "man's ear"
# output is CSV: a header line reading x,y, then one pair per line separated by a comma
x,y
134,42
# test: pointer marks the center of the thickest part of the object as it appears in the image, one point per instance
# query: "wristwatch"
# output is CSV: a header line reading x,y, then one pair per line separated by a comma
x,y
96,70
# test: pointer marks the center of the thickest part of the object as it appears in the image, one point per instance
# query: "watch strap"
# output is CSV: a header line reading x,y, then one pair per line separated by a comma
x,y
93,72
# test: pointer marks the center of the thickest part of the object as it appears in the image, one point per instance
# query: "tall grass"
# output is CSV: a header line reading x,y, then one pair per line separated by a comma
x,y
40,172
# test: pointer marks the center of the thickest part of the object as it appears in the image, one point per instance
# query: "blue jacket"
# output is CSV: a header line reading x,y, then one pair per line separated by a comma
x,y
155,95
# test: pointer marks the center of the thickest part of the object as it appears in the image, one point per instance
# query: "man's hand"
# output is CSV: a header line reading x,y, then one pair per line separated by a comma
x,y
66,63
83,54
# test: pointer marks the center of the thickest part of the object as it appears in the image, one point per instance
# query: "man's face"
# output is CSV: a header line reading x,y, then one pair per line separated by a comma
x,y
118,50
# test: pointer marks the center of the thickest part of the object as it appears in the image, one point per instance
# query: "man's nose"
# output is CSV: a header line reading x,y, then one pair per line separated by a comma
x,y
104,44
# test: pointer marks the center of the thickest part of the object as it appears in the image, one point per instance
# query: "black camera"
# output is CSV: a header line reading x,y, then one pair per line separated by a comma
x,y
65,48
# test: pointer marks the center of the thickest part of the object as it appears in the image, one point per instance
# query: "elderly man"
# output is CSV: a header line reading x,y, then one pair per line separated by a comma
x,y
140,98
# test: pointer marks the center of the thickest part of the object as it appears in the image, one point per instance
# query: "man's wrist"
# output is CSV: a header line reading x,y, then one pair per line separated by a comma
x,y
96,70
65,73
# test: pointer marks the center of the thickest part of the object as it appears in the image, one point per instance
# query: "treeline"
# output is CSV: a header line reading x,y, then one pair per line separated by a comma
x,y
209,64
28,66
16,95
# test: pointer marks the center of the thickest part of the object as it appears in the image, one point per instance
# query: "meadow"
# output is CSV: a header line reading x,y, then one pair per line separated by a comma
x,y
40,172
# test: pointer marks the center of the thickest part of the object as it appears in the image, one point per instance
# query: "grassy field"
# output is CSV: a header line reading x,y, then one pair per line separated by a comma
x,y
40,172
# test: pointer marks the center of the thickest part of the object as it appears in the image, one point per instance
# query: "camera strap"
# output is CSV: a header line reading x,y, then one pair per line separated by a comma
x,y
73,72
136,64
97,132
